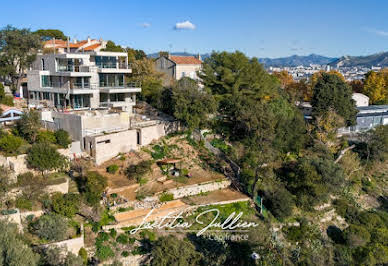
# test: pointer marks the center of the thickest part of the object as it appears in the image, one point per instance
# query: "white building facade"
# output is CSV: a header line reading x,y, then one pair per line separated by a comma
x,y
81,80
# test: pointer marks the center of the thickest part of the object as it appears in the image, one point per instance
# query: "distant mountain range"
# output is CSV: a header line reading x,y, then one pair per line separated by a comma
x,y
203,56
379,59
297,60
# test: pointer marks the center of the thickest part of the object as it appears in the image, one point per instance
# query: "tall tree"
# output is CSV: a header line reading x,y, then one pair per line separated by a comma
x,y
18,48
28,125
192,105
49,34
332,93
13,250
376,87
143,71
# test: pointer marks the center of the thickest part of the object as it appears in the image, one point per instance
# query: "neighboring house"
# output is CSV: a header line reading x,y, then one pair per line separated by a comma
x,y
62,46
177,67
83,79
368,117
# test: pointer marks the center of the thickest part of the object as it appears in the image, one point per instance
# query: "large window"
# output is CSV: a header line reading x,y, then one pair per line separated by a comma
x,y
111,80
106,61
46,81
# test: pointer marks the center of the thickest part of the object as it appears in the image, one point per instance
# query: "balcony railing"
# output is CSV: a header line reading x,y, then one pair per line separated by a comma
x,y
52,84
120,65
72,68
85,85
134,84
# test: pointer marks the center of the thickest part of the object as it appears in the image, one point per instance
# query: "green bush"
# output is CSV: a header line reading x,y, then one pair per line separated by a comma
x,y
125,253
23,204
166,197
84,255
50,227
46,137
93,184
112,169
10,144
104,252
65,204
62,137
7,100
45,157
220,144
113,233
122,239
137,171
158,153
356,235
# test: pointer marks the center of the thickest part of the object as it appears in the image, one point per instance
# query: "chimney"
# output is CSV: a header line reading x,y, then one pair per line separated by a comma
x,y
75,41
199,57
88,39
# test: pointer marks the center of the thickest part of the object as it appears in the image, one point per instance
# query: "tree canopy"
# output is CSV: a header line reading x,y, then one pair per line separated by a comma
x,y
191,104
331,92
48,34
18,48
44,157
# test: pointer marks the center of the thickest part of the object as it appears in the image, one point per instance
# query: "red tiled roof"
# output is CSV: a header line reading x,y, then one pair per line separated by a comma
x,y
92,47
185,60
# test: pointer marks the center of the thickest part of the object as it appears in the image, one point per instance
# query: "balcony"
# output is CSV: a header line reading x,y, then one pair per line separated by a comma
x,y
114,67
76,85
120,88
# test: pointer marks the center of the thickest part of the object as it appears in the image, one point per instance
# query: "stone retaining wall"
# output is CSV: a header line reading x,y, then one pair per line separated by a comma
x,y
72,245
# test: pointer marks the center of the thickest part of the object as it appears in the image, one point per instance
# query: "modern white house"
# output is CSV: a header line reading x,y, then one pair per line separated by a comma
x,y
83,79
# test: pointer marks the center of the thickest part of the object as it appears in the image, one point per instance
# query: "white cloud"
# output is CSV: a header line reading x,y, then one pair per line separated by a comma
x,y
377,32
185,25
146,25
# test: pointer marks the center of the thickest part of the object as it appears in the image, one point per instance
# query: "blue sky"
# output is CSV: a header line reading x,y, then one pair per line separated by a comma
x,y
258,28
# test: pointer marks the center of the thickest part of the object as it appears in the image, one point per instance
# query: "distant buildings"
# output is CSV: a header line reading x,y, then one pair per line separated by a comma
x,y
301,72
177,67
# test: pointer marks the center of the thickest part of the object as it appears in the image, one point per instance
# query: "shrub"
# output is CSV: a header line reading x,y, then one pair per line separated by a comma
x,y
50,227
84,255
280,202
166,197
102,237
10,144
122,158
113,233
125,253
112,169
23,204
158,153
7,100
66,205
137,171
45,157
93,186
46,137
104,252
62,137
122,239
356,235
